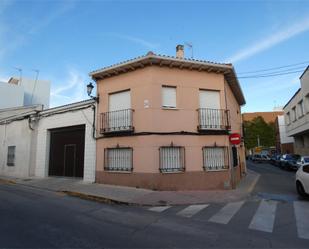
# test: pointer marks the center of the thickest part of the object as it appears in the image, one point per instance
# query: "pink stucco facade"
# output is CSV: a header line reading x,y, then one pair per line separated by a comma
x,y
155,126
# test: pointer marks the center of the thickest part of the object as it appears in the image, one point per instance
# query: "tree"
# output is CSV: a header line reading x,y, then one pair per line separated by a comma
x,y
259,129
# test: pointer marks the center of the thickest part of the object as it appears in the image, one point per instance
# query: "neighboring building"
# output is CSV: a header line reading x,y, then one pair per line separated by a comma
x,y
55,142
284,144
11,95
269,117
296,113
164,124
19,92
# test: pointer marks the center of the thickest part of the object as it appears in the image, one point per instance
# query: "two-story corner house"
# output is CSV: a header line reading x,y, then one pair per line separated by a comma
x,y
164,123
296,113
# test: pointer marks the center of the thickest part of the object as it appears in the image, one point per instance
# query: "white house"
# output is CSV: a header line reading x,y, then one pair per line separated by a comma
x,y
55,142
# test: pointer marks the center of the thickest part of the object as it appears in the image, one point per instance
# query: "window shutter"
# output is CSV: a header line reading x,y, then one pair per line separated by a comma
x,y
119,101
209,99
169,97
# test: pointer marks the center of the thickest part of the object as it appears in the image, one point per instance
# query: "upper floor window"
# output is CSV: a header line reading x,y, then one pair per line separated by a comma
x,y
306,104
169,96
119,101
301,109
294,114
288,118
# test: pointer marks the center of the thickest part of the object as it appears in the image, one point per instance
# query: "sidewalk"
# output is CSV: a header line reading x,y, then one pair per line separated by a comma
x,y
136,196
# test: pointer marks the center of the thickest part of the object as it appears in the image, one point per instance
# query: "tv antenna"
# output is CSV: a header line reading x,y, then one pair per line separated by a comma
x,y
20,70
190,46
35,82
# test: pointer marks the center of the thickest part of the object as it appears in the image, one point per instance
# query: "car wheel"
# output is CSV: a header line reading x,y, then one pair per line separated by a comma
x,y
300,189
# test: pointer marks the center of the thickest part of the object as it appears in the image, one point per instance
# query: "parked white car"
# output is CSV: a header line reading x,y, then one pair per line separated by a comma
x,y
302,180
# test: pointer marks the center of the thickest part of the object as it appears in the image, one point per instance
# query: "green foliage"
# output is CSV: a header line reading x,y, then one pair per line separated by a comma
x,y
259,128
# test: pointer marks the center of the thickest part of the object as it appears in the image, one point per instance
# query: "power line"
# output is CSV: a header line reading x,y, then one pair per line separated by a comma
x,y
274,68
269,75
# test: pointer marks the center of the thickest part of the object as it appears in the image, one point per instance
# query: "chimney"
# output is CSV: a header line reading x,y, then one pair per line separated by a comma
x,y
180,52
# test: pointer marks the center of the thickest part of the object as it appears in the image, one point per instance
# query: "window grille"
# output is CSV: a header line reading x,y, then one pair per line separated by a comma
x,y
118,159
11,156
215,158
172,159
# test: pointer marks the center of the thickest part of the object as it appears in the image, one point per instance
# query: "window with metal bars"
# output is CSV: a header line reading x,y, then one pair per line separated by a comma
x,y
11,156
118,159
172,159
215,158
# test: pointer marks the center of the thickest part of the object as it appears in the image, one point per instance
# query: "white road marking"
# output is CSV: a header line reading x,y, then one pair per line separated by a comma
x,y
264,217
301,210
191,210
159,209
226,213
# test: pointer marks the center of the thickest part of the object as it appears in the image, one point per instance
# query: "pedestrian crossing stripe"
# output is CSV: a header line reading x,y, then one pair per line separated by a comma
x,y
263,219
191,210
226,213
159,209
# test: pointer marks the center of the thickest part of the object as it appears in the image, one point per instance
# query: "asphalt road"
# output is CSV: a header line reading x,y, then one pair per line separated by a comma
x,y
32,218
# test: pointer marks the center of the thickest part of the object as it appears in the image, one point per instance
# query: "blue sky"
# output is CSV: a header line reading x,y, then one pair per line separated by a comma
x,y
66,40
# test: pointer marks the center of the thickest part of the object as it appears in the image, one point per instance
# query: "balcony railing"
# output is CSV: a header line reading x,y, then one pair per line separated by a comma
x,y
213,119
117,121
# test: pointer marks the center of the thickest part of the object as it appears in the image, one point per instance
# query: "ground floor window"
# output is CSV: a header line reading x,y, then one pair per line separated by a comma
x,y
172,159
11,156
118,159
215,158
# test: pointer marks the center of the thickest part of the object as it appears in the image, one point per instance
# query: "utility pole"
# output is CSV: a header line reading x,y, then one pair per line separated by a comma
x,y
258,140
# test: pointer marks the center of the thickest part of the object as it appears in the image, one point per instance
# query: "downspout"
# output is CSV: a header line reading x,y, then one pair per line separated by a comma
x,y
229,147
94,121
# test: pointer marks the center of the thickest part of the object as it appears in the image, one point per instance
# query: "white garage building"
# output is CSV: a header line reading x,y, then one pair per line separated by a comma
x,y
54,142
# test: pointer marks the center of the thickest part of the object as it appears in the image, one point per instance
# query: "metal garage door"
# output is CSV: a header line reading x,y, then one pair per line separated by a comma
x,y
66,157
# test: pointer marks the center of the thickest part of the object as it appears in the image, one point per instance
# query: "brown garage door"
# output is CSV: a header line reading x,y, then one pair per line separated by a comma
x,y
66,157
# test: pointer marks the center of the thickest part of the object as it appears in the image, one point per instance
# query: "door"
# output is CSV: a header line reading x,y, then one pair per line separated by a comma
x,y
66,155
69,168
210,113
119,116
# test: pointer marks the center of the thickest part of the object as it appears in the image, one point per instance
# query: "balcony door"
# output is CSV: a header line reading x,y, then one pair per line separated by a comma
x,y
119,110
210,113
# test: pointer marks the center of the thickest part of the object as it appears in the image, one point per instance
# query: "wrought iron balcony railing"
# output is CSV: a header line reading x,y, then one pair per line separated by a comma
x,y
117,121
213,119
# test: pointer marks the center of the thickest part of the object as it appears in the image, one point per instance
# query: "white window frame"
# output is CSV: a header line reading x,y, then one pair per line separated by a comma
x,y
169,102
116,160
172,159
215,158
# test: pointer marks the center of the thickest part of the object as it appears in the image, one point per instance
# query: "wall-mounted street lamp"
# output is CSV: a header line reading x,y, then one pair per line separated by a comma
x,y
89,91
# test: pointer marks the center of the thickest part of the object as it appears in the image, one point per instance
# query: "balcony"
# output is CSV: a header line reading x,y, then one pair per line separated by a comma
x,y
213,120
117,122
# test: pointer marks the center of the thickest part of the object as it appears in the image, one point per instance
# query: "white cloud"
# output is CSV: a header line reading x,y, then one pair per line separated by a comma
x,y
134,39
46,20
272,40
69,90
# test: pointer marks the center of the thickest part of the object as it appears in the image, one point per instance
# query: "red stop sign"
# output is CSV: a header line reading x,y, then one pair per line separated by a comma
x,y
235,138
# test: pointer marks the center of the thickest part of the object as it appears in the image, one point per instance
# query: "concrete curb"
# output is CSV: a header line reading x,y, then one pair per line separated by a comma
x,y
254,182
240,193
97,198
